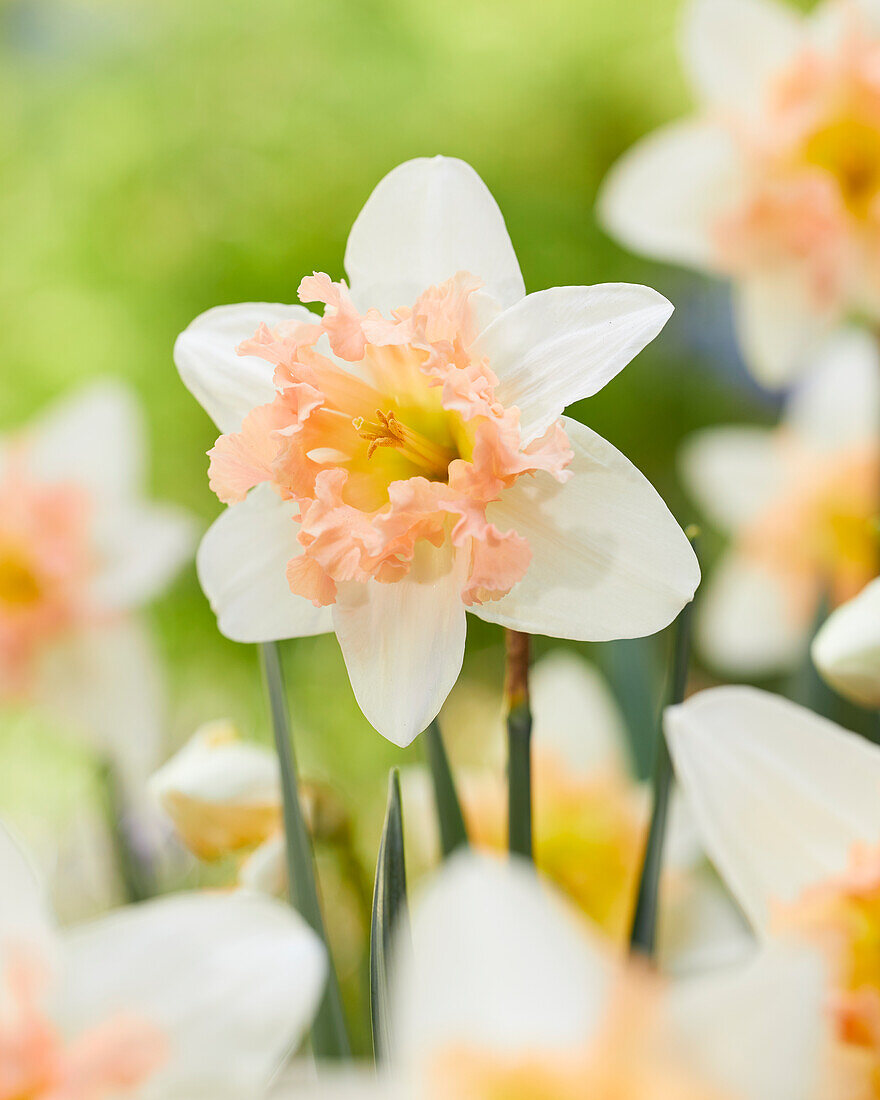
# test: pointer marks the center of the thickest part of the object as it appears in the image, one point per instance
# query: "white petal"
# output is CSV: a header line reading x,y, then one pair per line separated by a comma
x,y
560,345
837,404
231,980
95,437
846,649
498,961
663,196
778,325
732,472
427,220
700,928
228,385
242,563
780,795
759,1030
735,48
298,1083
403,643
140,548
24,912
265,869
745,625
107,683
608,558
576,714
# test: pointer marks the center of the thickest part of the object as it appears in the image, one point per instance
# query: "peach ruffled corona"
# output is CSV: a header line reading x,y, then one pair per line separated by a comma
x,y
402,441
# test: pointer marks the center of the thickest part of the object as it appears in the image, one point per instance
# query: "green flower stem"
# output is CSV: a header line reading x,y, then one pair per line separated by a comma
x,y
519,745
644,926
329,1033
453,833
135,877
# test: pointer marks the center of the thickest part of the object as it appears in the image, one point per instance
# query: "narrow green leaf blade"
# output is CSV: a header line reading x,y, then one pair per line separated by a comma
x,y
390,920
453,832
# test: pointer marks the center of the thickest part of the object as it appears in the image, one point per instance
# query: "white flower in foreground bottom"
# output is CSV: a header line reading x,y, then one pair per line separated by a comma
x,y
507,994
846,650
798,503
195,995
79,549
788,805
775,182
415,458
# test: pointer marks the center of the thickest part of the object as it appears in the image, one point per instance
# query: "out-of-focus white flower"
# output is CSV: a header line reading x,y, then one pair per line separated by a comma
x,y
420,463
590,817
222,794
787,805
80,548
193,995
798,502
507,993
846,650
775,181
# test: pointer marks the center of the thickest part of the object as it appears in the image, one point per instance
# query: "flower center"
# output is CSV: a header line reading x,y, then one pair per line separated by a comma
x,y
422,466
848,149
20,587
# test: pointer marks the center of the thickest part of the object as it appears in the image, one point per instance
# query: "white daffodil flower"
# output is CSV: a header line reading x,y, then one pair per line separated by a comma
x,y
798,503
590,816
788,806
774,181
507,994
410,457
80,548
195,995
846,650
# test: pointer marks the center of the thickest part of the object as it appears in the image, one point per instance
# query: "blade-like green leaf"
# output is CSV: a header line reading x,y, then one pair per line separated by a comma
x,y
453,833
519,779
329,1033
390,919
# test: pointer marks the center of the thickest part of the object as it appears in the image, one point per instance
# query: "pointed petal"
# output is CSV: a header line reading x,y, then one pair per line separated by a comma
x,y
745,624
228,385
140,548
403,643
837,404
480,975
846,649
560,345
24,911
732,472
778,326
734,48
231,980
663,196
242,563
758,1029
94,436
608,558
427,220
779,795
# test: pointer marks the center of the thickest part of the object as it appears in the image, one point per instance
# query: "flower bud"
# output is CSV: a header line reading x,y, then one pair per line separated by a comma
x,y
846,650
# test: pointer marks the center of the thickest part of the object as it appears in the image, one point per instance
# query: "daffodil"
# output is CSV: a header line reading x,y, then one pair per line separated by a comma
x,y
403,458
799,504
846,650
80,549
590,814
195,995
787,805
506,995
774,181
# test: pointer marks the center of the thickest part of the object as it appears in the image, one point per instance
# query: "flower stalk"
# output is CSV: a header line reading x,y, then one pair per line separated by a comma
x,y
644,925
453,832
329,1034
519,744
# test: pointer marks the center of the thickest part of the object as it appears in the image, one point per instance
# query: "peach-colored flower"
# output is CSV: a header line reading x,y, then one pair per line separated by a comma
x,y
775,182
193,995
787,806
799,504
410,459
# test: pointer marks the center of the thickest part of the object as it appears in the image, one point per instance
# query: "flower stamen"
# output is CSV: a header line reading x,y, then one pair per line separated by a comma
x,y
387,431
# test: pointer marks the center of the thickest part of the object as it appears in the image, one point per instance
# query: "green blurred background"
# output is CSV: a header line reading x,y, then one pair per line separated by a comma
x,y
160,157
